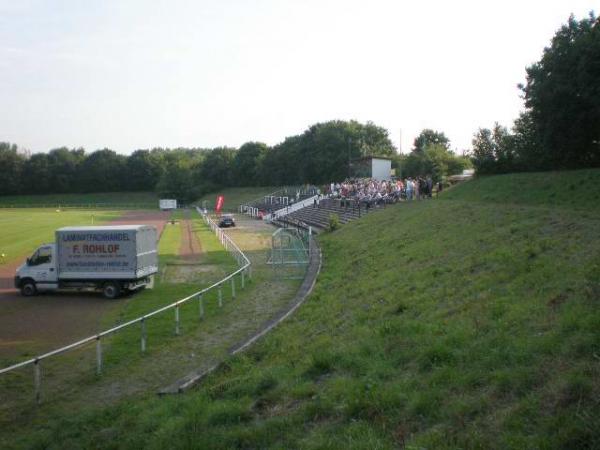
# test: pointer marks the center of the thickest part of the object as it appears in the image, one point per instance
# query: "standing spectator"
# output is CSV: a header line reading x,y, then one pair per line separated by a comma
x,y
409,189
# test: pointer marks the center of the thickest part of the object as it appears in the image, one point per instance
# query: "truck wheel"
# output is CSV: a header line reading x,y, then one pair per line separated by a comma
x,y
111,290
28,288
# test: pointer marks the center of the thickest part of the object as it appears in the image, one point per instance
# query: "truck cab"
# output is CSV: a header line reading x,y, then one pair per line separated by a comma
x,y
38,272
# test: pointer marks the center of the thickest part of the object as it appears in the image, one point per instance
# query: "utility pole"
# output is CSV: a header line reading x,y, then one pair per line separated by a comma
x,y
400,144
349,143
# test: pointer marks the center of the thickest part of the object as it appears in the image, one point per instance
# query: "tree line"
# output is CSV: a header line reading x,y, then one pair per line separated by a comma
x,y
321,154
560,126
318,155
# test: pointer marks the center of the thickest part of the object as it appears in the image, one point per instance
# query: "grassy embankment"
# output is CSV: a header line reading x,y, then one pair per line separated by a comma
x,y
579,189
471,321
234,197
23,230
117,200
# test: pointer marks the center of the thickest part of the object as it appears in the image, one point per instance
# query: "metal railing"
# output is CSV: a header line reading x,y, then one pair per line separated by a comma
x,y
228,244
294,207
279,198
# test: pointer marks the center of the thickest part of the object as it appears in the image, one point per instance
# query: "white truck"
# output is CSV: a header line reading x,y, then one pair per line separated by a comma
x,y
166,204
113,259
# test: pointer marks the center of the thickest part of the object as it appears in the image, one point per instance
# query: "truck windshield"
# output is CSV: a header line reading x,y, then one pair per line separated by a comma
x,y
41,256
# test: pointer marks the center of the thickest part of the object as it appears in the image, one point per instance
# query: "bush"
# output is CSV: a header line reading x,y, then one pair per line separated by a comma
x,y
334,222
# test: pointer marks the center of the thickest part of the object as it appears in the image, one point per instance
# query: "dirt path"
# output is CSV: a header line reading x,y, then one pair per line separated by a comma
x,y
33,325
190,249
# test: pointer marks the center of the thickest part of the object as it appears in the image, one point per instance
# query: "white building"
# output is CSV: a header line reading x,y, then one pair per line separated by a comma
x,y
378,167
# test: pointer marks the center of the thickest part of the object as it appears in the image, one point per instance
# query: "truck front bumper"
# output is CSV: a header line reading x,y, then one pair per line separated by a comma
x,y
17,282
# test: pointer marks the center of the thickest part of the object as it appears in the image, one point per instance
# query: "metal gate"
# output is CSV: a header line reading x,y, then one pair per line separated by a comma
x,y
290,253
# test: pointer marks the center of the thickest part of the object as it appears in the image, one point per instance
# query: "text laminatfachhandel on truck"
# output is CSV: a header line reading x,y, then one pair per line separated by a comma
x,y
112,259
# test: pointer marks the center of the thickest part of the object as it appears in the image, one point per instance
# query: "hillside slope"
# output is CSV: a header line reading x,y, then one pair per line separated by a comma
x,y
458,323
234,197
576,189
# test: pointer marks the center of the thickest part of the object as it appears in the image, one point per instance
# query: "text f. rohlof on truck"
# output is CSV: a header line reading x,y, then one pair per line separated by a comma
x,y
113,259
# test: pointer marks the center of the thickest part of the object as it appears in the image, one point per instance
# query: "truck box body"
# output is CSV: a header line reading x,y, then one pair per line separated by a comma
x,y
120,252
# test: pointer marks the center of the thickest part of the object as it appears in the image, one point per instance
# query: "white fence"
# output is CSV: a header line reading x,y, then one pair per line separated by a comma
x,y
230,246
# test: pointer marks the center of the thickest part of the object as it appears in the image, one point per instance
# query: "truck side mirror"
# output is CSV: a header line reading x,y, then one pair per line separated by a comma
x,y
28,261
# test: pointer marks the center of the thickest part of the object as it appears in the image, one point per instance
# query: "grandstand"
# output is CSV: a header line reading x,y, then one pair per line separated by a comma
x,y
318,217
306,206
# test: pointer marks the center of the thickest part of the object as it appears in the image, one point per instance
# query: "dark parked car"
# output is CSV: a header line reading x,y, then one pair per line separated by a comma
x,y
226,221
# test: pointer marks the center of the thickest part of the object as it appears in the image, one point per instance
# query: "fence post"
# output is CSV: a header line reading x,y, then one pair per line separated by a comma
x,y
220,297
200,306
233,287
37,381
143,340
98,355
243,271
177,320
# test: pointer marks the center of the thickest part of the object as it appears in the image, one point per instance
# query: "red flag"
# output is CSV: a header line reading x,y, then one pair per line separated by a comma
x,y
219,205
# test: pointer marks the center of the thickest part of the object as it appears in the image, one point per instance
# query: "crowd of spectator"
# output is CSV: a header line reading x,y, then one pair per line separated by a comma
x,y
371,192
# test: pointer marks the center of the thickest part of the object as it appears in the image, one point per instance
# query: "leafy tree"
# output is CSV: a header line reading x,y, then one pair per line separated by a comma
x,y
63,166
11,166
275,167
430,137
435,161
528,151
246,163
144,170
503,149
176,180
37,176
494,150
216,169
324,152
484,158
103,171
562,94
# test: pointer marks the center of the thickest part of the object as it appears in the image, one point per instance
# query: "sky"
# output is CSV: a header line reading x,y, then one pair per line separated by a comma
x,y
136,74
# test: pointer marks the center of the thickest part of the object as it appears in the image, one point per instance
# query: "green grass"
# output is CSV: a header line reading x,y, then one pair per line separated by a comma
x,y
170,241
23,230
234,197
118,200
577,189
462,323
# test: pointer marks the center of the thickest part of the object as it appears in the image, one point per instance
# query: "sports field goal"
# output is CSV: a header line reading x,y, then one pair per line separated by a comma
x,y
290,253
